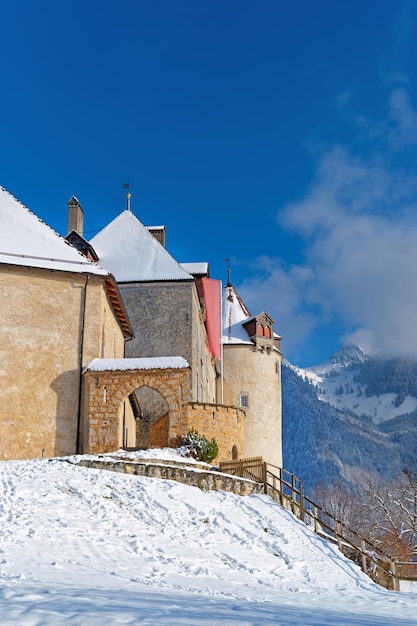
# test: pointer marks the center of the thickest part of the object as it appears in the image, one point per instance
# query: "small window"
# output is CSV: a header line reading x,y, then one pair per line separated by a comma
x,y
267,331
261,330
244,399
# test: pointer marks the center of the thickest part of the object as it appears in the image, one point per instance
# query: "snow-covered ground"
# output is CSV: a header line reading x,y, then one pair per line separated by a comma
x,y
85,547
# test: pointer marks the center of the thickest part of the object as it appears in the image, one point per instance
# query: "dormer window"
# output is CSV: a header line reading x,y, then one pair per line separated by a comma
x,y
260,330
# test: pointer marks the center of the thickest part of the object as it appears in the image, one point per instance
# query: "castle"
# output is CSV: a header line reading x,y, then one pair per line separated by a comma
x,y
112,343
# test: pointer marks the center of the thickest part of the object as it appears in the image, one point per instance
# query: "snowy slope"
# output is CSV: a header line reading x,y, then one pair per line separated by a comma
x,y
88,547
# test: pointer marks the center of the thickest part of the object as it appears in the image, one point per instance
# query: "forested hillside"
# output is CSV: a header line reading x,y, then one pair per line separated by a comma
x,y
324,444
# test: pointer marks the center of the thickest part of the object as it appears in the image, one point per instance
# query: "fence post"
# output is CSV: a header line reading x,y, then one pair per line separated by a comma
x,y
363,556
316,521
339,535
264,477
395,581
293,501
302,502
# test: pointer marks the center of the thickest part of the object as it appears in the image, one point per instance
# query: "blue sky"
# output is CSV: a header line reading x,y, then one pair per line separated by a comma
x,y
280,135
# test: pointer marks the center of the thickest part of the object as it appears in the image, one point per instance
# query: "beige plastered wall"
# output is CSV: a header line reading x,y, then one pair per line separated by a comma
x,y
127,425
47,318
257,374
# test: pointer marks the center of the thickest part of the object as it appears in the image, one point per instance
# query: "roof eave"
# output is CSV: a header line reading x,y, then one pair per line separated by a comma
x,y
157,280
118,307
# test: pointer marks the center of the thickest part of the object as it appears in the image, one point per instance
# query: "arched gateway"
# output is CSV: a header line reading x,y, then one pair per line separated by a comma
x,y
107,385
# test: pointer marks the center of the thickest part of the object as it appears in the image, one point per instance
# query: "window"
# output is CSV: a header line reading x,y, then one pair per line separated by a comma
x,y
261,330
267,331
244,399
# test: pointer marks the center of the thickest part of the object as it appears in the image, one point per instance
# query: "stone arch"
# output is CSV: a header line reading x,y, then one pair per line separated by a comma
x,y
106,390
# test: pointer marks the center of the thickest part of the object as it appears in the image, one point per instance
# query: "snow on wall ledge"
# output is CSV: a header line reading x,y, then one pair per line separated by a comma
x,y
145,363
201,478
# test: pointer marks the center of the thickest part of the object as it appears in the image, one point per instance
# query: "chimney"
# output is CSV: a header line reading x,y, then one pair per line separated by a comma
x,y
159,233
75,216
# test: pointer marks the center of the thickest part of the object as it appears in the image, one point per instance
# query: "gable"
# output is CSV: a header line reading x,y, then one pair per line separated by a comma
x,y
83,246
26,240
127,249
260,326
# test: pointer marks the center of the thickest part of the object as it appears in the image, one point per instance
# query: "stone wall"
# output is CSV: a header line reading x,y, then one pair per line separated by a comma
x,y
183,474
224,423
168,321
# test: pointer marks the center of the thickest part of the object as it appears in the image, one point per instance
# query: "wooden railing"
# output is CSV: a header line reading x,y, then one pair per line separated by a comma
x,y
252,469
286,489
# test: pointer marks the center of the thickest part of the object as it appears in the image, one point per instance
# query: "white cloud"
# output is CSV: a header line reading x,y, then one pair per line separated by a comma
x,y
403,120
358,225
279,295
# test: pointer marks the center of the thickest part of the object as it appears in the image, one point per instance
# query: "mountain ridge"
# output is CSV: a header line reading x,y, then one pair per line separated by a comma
x,y
335,430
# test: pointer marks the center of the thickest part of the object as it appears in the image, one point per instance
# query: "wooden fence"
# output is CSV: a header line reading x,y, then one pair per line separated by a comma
x,y
252,469
287,490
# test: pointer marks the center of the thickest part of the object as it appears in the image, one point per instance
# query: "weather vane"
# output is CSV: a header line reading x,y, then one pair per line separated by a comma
x,y
228,272
128,194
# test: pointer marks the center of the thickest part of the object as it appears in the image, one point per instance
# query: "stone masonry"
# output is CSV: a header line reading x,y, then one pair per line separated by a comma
x,y
105,391
224,423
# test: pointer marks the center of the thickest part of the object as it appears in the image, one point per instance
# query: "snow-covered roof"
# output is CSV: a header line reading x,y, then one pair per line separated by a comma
x,y
127,249
200,269
234,314
27,241
144,363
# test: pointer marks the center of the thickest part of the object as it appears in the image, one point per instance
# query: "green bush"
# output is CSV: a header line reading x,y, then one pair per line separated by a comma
x,y
199,447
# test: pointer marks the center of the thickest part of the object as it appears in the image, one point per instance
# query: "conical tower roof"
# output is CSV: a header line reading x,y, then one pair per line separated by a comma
x,y
132,254
235,313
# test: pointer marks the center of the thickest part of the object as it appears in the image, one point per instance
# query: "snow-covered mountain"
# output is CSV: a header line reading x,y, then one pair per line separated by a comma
x,y
351,414
375,388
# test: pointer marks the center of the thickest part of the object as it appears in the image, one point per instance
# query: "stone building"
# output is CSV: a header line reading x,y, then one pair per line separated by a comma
x,y
115,344
58,311
171,309
161,299
166,306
